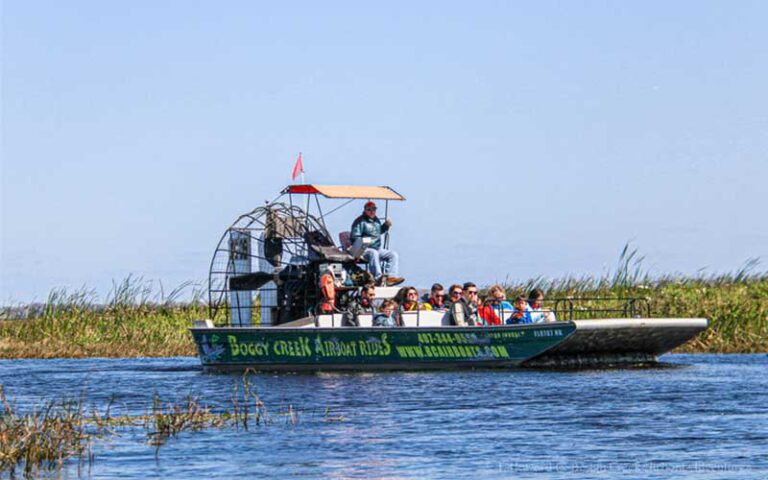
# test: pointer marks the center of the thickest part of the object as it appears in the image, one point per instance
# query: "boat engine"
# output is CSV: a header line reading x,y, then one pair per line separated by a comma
x,y
268,265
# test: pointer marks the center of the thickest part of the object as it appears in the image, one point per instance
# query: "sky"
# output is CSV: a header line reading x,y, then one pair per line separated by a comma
x,y
530,138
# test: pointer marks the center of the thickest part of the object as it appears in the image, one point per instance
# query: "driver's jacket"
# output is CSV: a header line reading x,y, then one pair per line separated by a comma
x,y
364,227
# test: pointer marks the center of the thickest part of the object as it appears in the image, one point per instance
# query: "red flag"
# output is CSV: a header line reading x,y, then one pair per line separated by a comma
x,y
298,168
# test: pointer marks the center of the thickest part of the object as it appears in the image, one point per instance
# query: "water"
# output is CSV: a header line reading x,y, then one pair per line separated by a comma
x,y
703,416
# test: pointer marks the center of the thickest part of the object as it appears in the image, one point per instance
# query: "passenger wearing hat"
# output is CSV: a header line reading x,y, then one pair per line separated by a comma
x,y
367,229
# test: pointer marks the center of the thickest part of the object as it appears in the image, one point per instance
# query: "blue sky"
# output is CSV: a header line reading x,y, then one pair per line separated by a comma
x,y
530,138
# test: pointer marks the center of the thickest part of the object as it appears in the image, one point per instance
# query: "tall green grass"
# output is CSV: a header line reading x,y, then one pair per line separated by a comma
x,y
137,319
140,318
735,303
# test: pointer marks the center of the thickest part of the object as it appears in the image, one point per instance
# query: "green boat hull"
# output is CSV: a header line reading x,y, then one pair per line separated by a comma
x,y
355,348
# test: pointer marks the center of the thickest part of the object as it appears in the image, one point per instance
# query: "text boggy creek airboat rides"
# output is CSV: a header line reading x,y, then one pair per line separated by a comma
x,y
282,296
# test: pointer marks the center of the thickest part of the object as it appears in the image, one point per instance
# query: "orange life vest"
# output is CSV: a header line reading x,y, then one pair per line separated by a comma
x,y
328,290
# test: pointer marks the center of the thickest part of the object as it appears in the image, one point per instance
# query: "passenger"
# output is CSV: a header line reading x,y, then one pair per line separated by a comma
x,y
538,313
367,228
361,305
386,316
436,297
454,295
497,297
521,312
486,313
411,302
464,311
471,296
399,297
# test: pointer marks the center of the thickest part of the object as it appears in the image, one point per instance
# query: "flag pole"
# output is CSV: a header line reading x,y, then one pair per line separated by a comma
x,y
302,170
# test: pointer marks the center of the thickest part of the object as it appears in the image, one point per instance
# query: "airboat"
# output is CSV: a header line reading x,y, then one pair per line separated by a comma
x,y
265,294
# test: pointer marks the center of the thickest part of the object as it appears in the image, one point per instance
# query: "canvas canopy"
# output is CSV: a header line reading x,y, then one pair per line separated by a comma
x,y
346,191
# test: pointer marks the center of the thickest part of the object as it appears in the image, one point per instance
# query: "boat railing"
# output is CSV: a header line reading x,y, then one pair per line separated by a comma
x,y
581,308
337,319
262,308
410,312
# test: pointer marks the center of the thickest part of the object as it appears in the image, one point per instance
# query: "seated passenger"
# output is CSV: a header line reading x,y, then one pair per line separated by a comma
x,y
538,313
486,312
400,295
463,311
386,316
521,312
361,304
411,302
454,295
436,297
471,296
497,297
367,229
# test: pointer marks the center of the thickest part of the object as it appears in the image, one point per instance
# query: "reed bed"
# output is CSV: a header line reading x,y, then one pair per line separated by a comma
x,y
140,319
64,430
735,303
134,321
45,437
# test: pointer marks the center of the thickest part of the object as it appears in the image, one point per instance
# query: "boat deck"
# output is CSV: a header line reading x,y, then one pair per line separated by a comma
x,y
619,341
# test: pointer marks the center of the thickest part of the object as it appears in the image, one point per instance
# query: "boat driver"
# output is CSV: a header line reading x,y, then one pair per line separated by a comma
x,y
367,230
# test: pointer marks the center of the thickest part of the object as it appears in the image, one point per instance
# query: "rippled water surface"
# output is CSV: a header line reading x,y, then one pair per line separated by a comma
x,y
701,416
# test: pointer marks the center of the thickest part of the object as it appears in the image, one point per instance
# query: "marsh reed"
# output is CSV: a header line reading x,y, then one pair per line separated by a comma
x,y
46,437
141,318
137,319
736,303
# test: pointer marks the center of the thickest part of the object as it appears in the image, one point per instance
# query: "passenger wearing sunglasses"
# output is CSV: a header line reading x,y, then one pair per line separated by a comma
x,y
437,297
411,301
368,229
454,295
464,310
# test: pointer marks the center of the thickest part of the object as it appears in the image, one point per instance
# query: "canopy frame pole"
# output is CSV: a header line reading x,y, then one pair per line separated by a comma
x,y
341,206
320,212
386,214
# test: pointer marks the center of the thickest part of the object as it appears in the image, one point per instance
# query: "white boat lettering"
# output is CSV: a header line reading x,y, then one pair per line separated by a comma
x,y
548,333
